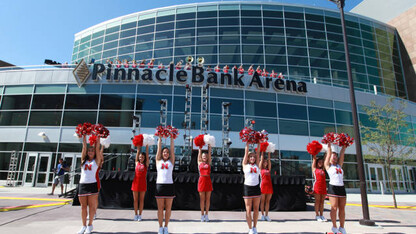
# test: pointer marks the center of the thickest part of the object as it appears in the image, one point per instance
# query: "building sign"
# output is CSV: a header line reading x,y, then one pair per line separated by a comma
x,y
195,76
81,73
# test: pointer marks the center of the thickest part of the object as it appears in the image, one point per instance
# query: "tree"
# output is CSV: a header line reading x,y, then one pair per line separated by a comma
x,y
389,137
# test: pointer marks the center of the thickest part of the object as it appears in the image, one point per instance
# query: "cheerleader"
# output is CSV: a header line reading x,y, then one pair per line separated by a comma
x,y
142,63
258,70
226,68
139,185
134,64
266,186
252,191
264,73
273,74
204,182
89,185
217,68
319,187
165,191
336,190
161,66
250,70
151,64
241,69
179,65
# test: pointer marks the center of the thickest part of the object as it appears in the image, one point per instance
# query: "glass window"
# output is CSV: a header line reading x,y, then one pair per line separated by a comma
x,y
230,59
252,49
252,31
50,88
251,21
292,111
85,89
185,42
185,33
155,89
166,18
163,53
274,32
273,22
128,33
98,34
321,114
296,51
261,96
270,125
45,118
250,13
229,13
236,123
274,14
207,40
293,127
151,102
110,53
296,155
185,51
13,118
111,37
316,35
84,101
216,92
319,102
185,24
207,13
110,45
144,30
207,31
295,42
163,44
184,16
229,40
48,101
252,40
145,38
263,109
16,102
164,35
73,118
207,22
253,59
229,21
276,50
26,89
144,20
129,25
303,168
126,50
343,117
163,27
272,59
144,46
116,118
206,49
236,107
320,129
119,88
97,41
117,101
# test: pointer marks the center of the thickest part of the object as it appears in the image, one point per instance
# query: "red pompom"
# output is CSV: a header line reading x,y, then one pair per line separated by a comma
x,y
247,135
83,129
263,146
199,141
343,139
100,130
314,147
328,138
138,140
167,131
92,139
173,132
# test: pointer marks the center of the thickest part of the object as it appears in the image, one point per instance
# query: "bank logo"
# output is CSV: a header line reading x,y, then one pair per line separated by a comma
x,y
81,73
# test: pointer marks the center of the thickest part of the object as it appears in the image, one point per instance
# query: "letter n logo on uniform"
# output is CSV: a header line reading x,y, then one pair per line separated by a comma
x,y
88,167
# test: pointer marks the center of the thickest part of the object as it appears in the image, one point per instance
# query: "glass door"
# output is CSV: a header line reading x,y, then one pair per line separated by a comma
x,y
30,169
411,178
74,163
376,178
398,178
43,169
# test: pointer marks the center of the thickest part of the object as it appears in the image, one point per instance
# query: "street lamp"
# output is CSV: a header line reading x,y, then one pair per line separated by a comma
x,y
360,164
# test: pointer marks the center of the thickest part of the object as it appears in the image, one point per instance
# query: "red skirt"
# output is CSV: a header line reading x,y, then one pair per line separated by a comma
x,y
139,184
204,184
266,187
319,189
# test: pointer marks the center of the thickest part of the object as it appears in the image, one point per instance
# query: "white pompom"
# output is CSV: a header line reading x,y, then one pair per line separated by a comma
x,y
148,139
105,142
325,148
271,148
209,140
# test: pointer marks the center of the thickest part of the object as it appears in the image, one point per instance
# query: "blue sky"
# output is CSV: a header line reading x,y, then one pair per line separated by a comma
x,y
34,30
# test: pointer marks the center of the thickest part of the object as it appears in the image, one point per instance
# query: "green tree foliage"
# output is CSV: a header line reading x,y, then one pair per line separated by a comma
x,y
391,140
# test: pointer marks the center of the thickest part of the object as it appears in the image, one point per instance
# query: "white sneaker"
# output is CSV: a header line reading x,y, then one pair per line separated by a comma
x,y
165,230
334,230
160,230
206,218
254,230
262,218
139,218
267,218
136,217
323,219
89,229
250,231
318,218
82,230
342,230
202,218
95,216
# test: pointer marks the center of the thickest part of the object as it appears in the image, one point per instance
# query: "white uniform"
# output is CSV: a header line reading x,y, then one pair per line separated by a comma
x,y
251,175
164,172
336,175
89,172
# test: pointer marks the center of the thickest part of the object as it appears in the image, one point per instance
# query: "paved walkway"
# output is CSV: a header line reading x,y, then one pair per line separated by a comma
x,y
59,218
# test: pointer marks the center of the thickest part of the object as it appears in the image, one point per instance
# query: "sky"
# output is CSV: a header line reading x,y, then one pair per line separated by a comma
x,y
34,30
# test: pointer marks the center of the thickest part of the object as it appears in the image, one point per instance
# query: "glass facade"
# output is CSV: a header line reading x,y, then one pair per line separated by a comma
x,y
302,43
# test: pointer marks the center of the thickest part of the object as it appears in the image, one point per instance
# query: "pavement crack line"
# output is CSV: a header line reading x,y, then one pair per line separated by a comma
x,y
27,216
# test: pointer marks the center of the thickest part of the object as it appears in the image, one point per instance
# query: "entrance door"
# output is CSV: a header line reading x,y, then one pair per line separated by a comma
x,y
398,178
74,163
37,169
411,178
376,178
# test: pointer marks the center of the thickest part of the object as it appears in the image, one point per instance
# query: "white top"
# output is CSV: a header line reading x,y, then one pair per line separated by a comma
x,y
164,172
251,174
89,172
336,175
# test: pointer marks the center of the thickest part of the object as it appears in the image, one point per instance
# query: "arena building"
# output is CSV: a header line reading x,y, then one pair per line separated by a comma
x,y
40,106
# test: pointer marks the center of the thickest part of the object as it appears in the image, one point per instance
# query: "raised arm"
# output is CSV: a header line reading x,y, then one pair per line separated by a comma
x,y
138,154
342,155
99,156
261,160
199,156
172,150
258,154
246,155
269,159
313,163
159,150
102,154
209,155
328,157
147,156
84,149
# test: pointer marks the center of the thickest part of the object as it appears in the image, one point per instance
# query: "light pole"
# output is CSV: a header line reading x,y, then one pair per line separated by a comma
x,y
360,164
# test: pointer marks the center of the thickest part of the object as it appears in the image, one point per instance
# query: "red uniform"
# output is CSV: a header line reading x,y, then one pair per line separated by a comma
x,y
319,186
266,182
204,182
139,182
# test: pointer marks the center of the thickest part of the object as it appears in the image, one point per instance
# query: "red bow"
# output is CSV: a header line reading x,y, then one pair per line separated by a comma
x,y
165,166
253,170
338,170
